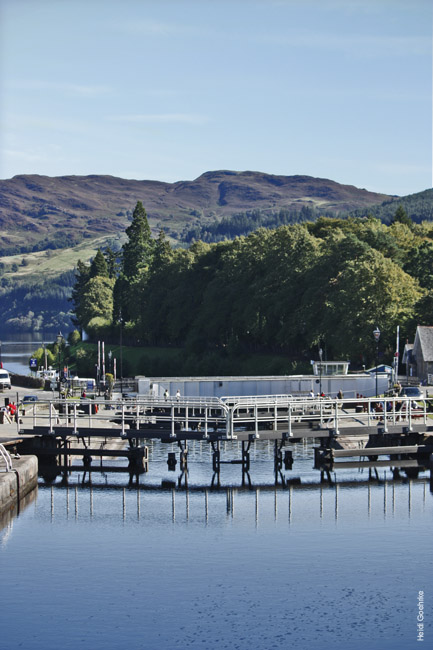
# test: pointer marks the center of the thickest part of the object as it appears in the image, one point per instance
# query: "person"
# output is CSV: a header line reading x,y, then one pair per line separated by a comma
x,y
311,393
166,394
83,394
340,394
178,394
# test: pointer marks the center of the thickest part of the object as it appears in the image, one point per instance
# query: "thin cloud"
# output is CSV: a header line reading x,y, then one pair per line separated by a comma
x,y
25,156
153,28
355,44
160,118
82,90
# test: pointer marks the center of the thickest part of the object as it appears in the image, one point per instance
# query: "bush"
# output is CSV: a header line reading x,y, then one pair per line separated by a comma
x,y
98,327
27,382
74,337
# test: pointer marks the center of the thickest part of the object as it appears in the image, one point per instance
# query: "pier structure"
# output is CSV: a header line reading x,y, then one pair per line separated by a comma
x,y
61,429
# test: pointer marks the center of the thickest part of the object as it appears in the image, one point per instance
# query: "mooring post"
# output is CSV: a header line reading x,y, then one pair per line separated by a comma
x,y
172,434
278,456
216,456
51,419
431,473
75,418
289,410
336,418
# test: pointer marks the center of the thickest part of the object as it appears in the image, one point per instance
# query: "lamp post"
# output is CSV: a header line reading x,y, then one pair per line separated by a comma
x,y
59,340
376,334
121,355
320,371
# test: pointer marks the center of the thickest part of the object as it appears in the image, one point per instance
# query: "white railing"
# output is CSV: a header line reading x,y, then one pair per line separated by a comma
x,y
5,455
230,415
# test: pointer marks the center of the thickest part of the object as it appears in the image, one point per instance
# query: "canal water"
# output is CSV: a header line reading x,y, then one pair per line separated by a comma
x,y
16,350
173,563
101,564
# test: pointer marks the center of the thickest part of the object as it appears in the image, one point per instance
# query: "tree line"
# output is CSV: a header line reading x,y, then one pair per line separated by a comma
x,y
245,222
288,290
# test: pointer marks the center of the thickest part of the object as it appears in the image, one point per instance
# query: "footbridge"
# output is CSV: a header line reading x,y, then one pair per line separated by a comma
x,y
57,430
270,417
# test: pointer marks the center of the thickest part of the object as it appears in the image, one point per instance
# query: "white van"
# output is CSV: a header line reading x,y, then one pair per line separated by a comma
x,y
5,380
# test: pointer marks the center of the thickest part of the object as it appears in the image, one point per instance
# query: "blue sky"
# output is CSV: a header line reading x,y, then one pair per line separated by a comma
x,y
167,90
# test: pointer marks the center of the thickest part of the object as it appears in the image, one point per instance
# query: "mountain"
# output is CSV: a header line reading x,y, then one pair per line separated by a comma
x,y
42,212
419,207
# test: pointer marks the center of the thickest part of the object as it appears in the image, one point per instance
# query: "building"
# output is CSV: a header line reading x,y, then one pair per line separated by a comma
x,y
295,385
422,353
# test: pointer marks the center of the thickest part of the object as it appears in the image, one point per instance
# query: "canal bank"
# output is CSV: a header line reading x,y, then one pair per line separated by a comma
x,y
20,479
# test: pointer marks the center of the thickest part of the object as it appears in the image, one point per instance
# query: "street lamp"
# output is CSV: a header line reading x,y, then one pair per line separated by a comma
x,y
59,340
376,334
320,371
121,355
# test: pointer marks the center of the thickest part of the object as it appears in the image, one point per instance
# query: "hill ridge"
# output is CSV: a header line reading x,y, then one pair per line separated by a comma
x,y
39,212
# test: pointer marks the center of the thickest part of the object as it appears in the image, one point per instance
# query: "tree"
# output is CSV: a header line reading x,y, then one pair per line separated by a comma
x,y
82,276
401,216
98,266
97,300
137,251
111,260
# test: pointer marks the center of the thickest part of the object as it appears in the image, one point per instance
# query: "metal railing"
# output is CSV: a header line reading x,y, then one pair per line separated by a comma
x,y
229,415
5,455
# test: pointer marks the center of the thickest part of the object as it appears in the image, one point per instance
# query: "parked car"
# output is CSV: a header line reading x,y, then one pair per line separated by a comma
x,y
411,391
5,379
29,399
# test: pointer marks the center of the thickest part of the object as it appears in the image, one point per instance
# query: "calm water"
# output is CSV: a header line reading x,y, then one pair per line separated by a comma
x,y
16,350
105,565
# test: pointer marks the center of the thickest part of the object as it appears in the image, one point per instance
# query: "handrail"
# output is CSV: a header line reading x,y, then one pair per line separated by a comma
x,y
6,457
235,414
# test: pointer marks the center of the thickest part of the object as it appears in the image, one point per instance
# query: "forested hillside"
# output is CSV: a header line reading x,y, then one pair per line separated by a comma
x,y
419,207
328,283
40,212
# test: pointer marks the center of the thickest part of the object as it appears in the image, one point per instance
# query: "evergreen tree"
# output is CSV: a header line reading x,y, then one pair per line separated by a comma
x,y
400,216
137,251
111,260
98,266
82,276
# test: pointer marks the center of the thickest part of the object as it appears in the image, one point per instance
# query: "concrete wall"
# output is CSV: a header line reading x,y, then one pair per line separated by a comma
x,y
17,484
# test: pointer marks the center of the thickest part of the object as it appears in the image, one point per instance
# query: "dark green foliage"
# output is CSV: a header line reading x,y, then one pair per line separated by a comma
x,y
418,207
246,222
286,290
420,265
137,251
74,337
37,307
111,261
401,216
99,266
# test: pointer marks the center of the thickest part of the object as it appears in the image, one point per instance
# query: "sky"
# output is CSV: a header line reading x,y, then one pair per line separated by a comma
x,y
170,89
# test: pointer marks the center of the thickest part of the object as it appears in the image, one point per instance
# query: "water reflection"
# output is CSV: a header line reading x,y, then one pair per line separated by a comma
x,y
334,502
300,566
7,517
16,349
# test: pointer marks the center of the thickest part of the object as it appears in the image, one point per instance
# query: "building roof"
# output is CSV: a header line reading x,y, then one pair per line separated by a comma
x,y
425,336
